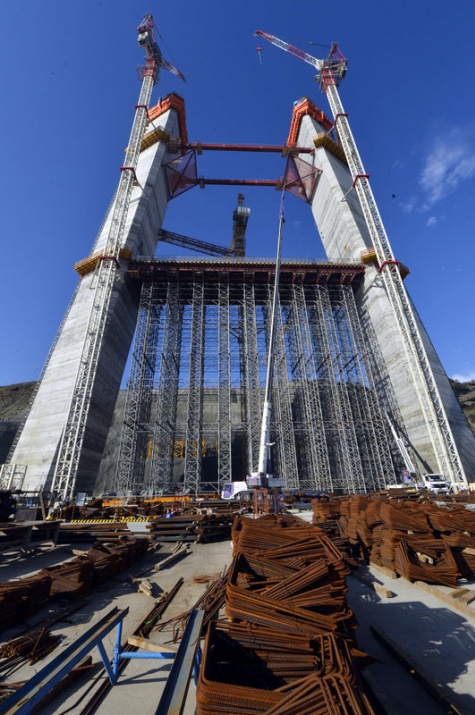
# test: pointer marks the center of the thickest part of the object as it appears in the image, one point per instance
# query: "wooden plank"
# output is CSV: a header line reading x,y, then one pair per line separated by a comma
x,y
460,604
145,644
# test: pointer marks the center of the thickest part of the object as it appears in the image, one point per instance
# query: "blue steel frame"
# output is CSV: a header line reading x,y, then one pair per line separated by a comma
x,y
186,659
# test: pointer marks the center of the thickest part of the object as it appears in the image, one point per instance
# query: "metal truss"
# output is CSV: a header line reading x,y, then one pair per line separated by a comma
x,y
136,430
371,426
337,331
327,430
340,452
163,439
12,476
106,273
282,432
194,421
306,400
224,384
384,391
250,372
438,426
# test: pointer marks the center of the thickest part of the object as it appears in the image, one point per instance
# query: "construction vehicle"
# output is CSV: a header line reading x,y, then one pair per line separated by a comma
x,y
435,483
245,490
235,490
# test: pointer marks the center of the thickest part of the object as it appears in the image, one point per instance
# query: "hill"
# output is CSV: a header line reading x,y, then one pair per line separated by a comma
x,y
14,401
465,392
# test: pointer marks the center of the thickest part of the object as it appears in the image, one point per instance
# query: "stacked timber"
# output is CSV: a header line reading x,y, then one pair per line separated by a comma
x,y
201,521
12,595
23,597
421,541
286,645
214,527
71,578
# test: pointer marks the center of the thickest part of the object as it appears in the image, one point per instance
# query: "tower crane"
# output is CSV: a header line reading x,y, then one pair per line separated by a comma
x,y
107,272
238,244
330,72
240,218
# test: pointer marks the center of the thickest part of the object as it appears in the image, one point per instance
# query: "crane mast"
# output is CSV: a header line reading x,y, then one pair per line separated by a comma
x,y
240,218
331,71
107,273
238,244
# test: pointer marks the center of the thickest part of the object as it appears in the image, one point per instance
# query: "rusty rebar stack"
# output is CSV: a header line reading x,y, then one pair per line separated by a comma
x,y
75,577
286,646
420,541
31,647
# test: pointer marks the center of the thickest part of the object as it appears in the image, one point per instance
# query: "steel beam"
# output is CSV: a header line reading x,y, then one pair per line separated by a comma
x,y
174,695
23,701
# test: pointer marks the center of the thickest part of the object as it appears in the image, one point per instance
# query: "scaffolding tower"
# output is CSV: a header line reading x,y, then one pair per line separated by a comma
x,y
195,393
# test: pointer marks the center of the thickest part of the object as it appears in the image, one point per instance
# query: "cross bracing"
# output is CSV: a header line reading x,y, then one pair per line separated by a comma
x,y
203,330
137,428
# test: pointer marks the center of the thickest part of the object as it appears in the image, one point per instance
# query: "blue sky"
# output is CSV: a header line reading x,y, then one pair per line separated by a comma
x,y
69,86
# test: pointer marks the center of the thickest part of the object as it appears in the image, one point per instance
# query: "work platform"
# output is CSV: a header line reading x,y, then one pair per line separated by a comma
x,y
256,270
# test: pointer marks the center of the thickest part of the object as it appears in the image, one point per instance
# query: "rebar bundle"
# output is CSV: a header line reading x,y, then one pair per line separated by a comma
x,y
418,540
286,647
31,647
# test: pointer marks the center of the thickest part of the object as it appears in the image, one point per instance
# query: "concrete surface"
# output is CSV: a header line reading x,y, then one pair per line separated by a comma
x,y
435,637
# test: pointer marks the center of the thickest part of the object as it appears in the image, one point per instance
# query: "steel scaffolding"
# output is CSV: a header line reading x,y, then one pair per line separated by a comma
x,y
196,387
163,446
250,370
136,430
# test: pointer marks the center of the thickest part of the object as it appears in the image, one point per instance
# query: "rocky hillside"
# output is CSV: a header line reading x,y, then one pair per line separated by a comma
x,y
465,392
14,401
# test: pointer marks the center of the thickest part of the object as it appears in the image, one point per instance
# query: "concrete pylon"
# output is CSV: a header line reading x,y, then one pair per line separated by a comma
x,y
32,462
342,228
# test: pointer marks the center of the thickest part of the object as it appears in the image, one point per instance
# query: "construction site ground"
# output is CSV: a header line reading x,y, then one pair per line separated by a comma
x,y
422,639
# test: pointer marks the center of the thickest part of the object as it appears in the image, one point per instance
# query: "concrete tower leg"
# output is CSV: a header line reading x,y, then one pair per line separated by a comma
x,y
38,444
343,231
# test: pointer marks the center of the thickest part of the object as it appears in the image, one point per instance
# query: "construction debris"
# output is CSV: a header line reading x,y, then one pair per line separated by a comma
x,y
200,522
145,587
